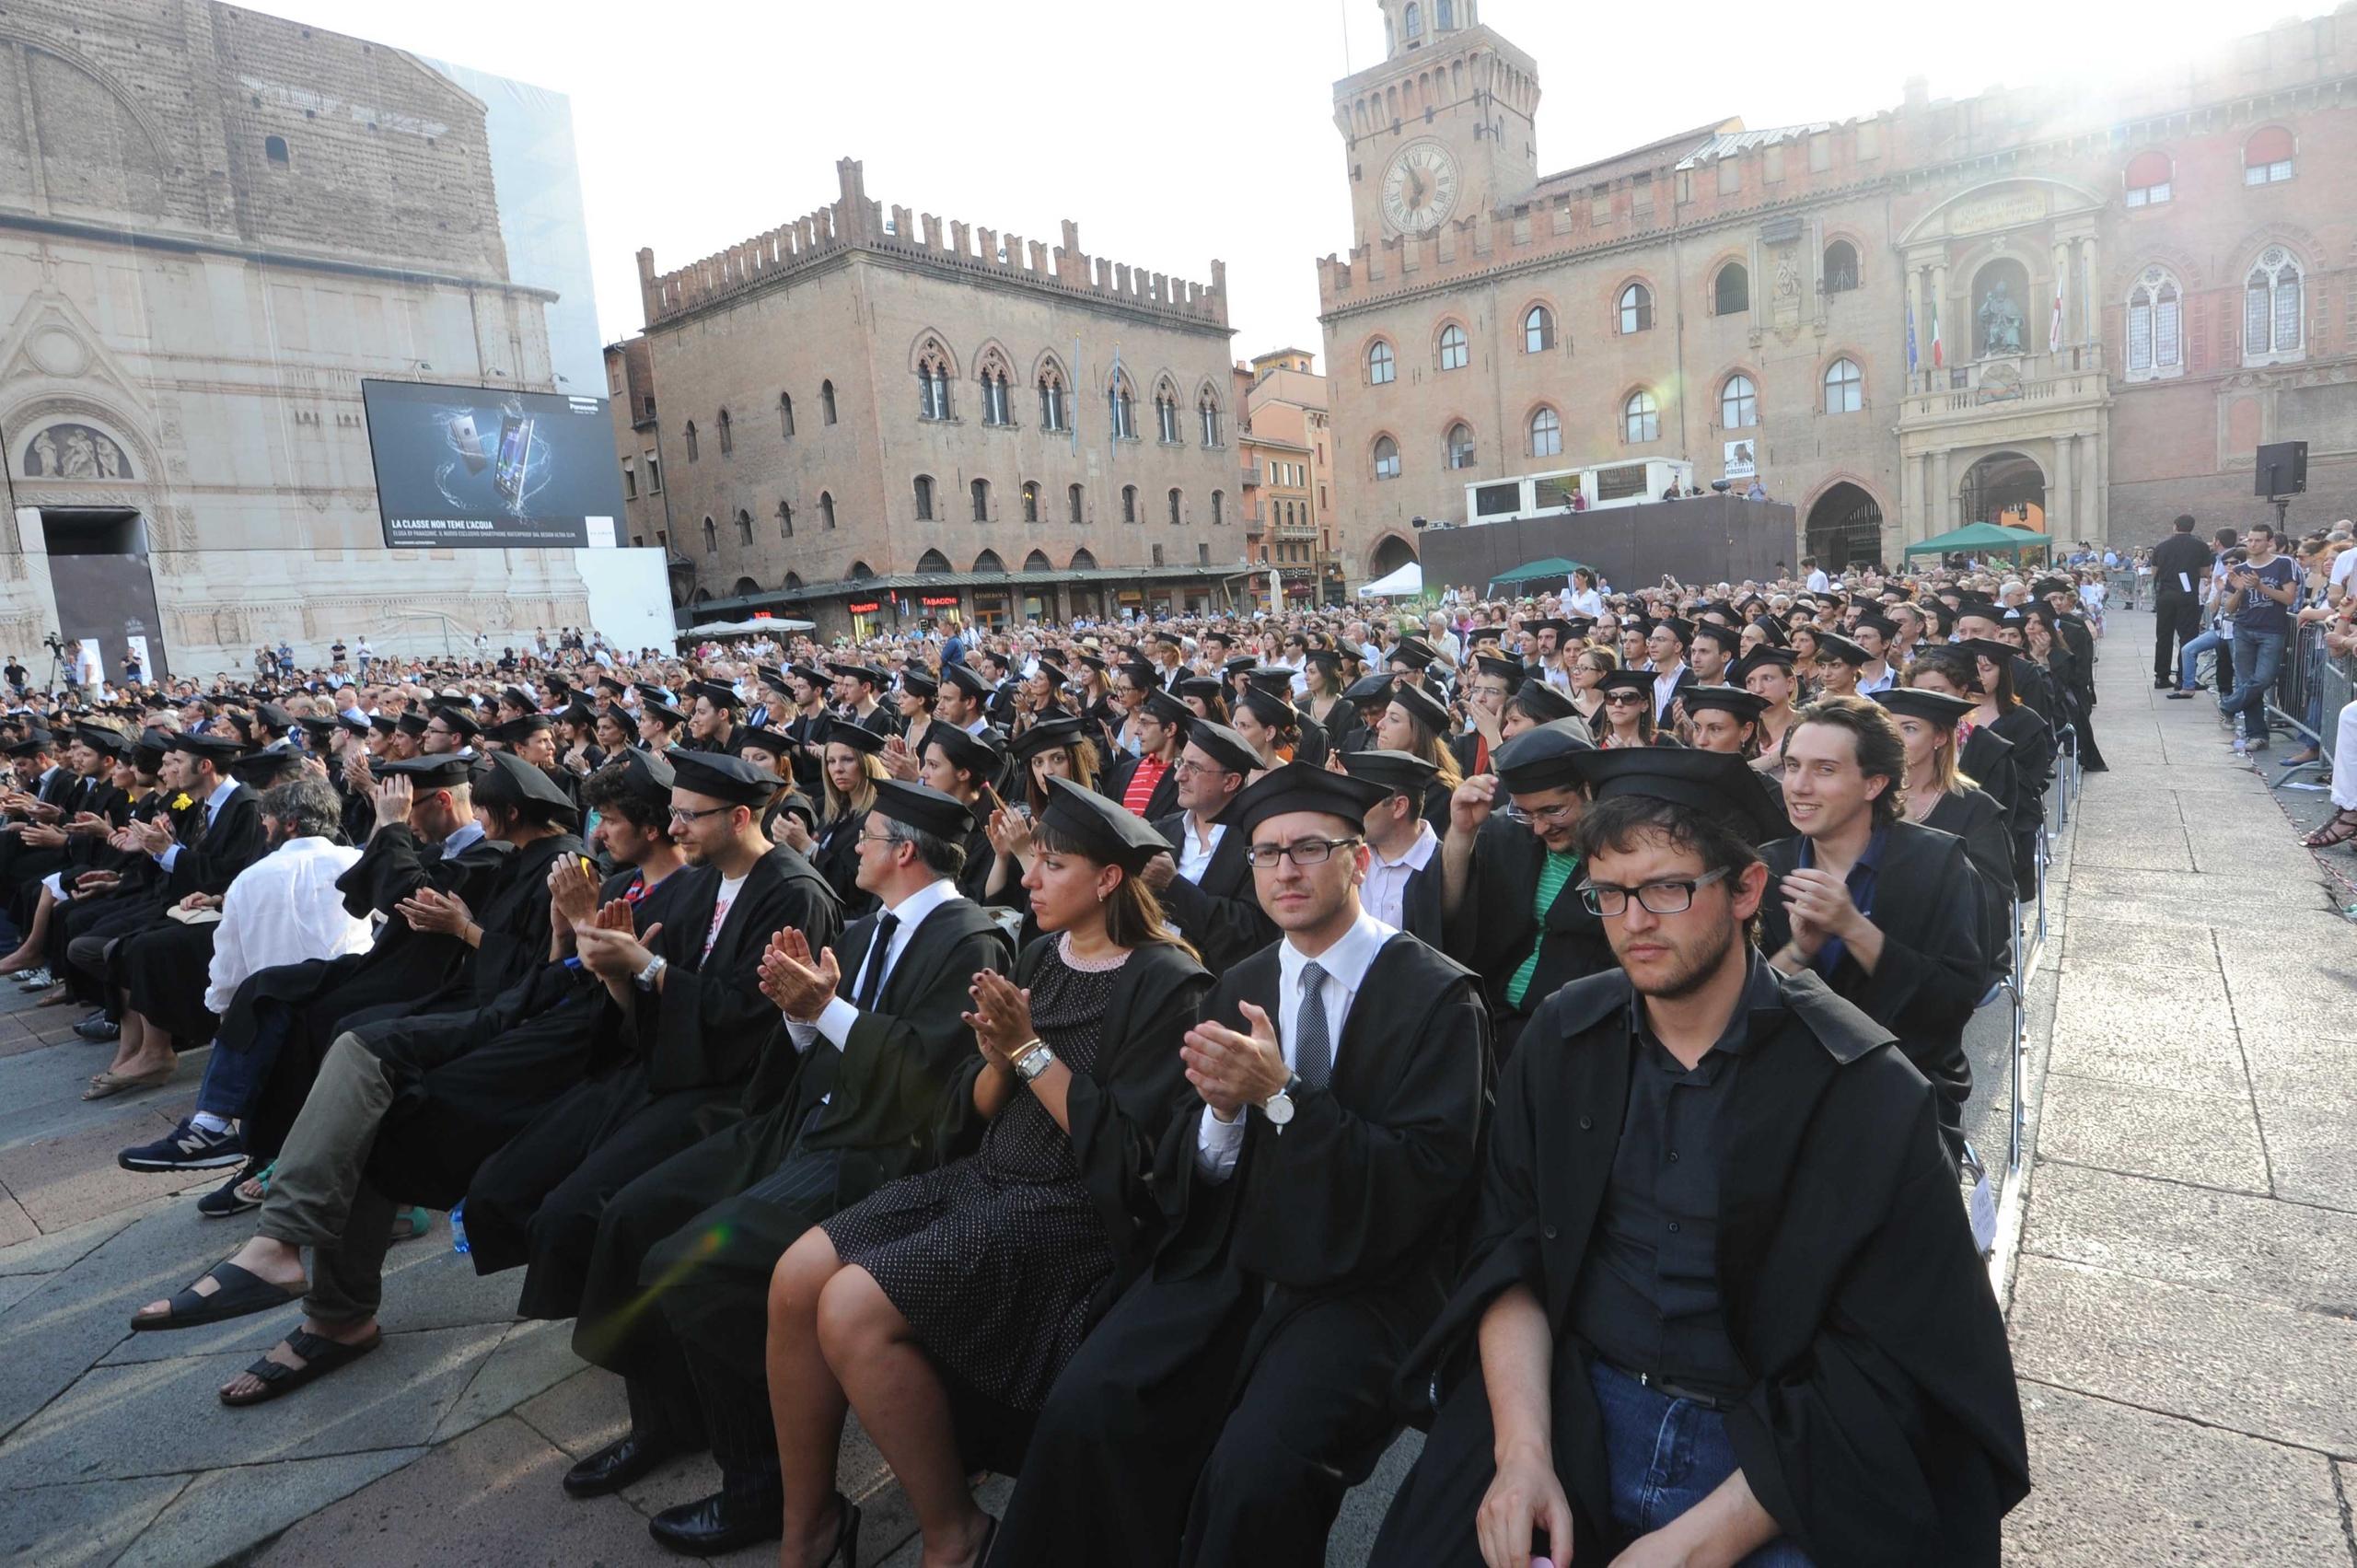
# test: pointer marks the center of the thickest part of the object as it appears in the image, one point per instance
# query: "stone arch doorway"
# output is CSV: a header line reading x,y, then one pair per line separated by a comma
x,y
1845,528
1390,553
2007,488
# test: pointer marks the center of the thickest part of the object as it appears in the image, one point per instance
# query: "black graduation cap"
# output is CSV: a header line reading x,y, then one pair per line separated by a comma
x,y
1374,689
776,742
221,748
413,722
859,738
1143,676
1092,660
1241,664
718,693
1999,653
260,770
922,684
1727,699
1718,783
1422,704
1873,623
1046,736
1545,758
967,678
510,781
1638,681
1401,772
445,772
1172,640
1556,623
1274,678
1546,704
1728,639
1508,670
1761,659
669,715
1327,658
927,810
1224,746
1103,830
722,777
274,718
770,675
611,686
1575,626
809,674
514,732
1202,687
520,697
458,718
866,672
1413,652
385,725
318,728
1299,787
1679,628
2046,585
1484,635
579,713
966,751
1168,708
1269,708
1833,645
648,776
1054,673
98,737
34,742
1919,702
653,693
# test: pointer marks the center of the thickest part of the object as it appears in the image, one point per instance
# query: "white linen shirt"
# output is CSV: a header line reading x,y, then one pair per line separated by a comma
x,y
283,908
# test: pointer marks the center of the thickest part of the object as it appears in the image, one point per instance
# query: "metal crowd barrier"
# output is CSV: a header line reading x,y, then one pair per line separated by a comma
x,y
2311,689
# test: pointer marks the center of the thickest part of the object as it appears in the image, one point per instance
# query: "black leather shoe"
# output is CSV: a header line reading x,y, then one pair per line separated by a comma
x,y
616,1465
722,1522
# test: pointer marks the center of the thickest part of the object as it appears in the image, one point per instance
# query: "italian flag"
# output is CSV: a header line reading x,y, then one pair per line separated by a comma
x,y
1936,361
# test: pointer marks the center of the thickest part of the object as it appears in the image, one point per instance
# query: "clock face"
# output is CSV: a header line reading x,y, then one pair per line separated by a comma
x,y
1419,188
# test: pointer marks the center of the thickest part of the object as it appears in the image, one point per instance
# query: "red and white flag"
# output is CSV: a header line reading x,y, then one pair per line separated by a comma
x,y
2054,329
1936,360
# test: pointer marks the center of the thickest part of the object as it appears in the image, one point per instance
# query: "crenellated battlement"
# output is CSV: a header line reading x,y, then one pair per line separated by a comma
x,y
854,222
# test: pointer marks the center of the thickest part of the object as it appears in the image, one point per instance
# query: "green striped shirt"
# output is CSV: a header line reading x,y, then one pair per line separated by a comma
x,y
1554,877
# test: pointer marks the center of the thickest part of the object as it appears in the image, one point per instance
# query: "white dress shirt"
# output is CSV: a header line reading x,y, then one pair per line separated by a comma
x,y
221,791
1195,854
835,1020
283,908
1384,894
1664,688
1218,1142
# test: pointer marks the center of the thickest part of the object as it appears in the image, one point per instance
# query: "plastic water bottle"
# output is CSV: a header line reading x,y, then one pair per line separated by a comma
x,y
458,1226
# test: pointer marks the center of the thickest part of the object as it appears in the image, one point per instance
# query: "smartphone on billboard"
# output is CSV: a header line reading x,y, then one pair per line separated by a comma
x,y
514,449
468,442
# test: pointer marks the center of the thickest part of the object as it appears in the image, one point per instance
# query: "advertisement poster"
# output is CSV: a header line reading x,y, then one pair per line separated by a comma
x,y
484,469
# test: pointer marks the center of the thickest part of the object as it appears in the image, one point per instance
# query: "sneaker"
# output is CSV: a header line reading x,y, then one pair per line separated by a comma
x,y
34,979
185,1147
99,1029
225,1200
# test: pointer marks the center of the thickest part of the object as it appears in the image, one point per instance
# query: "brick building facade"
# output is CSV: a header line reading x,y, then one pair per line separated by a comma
x,y
2079,312
213,222
868,417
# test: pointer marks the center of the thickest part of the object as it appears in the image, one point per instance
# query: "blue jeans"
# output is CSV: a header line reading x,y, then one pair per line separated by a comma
x,y
1665,1456
2257,655
2187,672
233,1078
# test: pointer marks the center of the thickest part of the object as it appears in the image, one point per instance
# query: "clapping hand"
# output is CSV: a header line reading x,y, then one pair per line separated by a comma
x,y
800,986
897,760
1818,905
614,954
155,835
434,912
1000,1019
393,798
1231,1070
573,894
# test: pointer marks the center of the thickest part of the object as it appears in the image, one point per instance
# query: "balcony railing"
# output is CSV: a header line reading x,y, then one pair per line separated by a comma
x,y
2073,374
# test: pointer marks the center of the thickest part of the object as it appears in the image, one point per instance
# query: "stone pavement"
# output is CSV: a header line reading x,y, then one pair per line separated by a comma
x,y
2183,1300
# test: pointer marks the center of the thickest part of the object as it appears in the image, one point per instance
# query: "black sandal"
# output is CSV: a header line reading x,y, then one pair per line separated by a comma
x,y
2340,831
241,1294
320,1356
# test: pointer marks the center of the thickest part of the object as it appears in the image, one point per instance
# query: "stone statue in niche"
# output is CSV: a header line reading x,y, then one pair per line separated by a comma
x,y
75,451
2001,322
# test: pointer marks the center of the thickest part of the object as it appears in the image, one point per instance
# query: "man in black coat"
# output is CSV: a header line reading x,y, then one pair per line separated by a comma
x,y
2180,565
844,1099
1507,902
1404,872
1715,1221
1884,911
1206,886
1222,1407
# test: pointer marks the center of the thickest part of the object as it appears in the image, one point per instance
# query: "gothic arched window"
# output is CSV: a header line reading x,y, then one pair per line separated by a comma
x,y
2156,325
2273,322
1538,330
1380,368
1386,458
1845,386
1738,404
1207,414
1166,415
924,497
1546,434
1731,290
727,435
1456,349
1052,399
1636,309
1121,409
1460,446
1641,418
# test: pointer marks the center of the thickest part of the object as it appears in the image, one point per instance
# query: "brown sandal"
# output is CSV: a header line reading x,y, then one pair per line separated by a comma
x,y
2340,831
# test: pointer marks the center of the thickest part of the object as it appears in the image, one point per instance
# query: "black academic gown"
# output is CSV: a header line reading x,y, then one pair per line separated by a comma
x,y
1931,973
162,970
1882,1427
1237,1390
675,1065
1495,926
2033,744
687,1218
1220,915
1974,815
1159,803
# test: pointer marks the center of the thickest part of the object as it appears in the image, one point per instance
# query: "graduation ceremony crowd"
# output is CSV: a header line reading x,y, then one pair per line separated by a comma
x,y
1158,1061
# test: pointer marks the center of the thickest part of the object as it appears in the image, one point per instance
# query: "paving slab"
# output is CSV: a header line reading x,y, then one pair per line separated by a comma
x,y
163,1416
2173,1030
66,1180
2212,899
223,1513
530,1359
581,1415
2311,1143
2210,1139
2097,936
2195,1236
72,1527
2251,1366
52,1251
2113,1486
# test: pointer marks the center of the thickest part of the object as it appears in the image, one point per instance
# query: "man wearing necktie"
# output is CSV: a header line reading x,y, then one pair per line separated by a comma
x,y
1233,1395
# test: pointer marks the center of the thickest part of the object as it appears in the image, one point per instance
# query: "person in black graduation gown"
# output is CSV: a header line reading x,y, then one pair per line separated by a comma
x,y
1419,724
1507,902
1885,911
1403,874
674,1298
966,768
978,1280
715,717
1234,1393
1795,1307
1941,795
1206,885
672,1054
1162,722
850,772
2008,714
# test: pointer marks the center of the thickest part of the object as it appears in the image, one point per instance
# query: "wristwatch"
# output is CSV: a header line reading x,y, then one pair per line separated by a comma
x,y
645,978
1033,1059
1278,1106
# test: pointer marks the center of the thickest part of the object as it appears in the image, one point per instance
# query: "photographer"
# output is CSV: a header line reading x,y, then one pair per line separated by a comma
x,y
2258,596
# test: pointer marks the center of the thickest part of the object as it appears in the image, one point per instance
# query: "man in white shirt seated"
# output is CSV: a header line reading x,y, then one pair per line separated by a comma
x,y
283,908
1404,888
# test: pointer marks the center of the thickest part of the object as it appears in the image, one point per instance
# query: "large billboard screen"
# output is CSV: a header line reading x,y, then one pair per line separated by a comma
x,y
487,468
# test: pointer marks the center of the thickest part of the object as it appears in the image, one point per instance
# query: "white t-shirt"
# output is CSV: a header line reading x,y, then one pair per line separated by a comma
x,y
1819,582
2342,565
729,888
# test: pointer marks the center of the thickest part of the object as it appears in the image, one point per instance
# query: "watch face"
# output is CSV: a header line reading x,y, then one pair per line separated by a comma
x,y
1419,188
1279,1110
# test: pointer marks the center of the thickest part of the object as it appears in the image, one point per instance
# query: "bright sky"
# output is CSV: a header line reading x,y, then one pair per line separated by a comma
x,y
1171,132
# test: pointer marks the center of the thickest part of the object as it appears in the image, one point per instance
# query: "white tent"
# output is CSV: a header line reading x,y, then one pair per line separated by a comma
x,y
1406,583
778,627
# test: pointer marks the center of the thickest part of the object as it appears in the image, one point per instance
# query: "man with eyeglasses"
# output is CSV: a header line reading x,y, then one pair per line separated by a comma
x,y
1883,910
449,730
1231,1397
1721,1303
1147,783
1504,875
841,1099
1205,885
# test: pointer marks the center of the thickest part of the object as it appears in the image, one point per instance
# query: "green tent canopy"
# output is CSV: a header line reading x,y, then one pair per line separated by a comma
x,y
1982,536
1536,570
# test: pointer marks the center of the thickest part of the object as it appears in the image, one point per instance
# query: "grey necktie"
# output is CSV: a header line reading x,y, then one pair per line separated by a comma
x,y
1313,1056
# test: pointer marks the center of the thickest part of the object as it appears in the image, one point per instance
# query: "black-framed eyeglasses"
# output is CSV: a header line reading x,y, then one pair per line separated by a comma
x,y
1659,898
1301,852
681,814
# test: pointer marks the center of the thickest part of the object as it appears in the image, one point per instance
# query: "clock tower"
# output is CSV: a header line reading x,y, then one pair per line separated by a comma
x,y
1442,128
